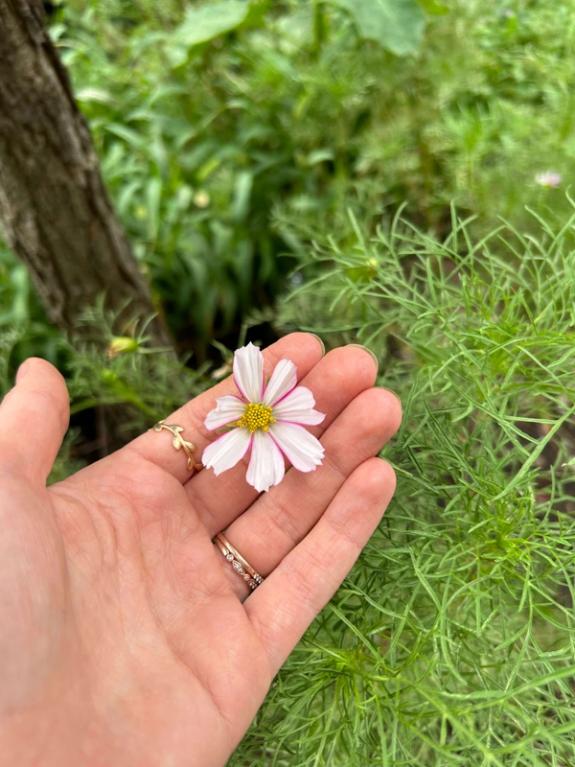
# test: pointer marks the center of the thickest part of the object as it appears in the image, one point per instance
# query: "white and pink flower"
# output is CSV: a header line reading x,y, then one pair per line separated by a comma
x,y
550,179
268,419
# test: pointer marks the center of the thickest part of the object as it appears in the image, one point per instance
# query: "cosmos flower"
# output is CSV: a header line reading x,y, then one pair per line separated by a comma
x,y
266,419
549,179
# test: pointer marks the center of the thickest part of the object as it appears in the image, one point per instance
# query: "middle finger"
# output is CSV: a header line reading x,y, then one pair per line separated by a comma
x,y
335,380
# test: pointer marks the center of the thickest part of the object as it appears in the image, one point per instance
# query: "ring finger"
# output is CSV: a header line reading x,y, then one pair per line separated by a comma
x,y
280,519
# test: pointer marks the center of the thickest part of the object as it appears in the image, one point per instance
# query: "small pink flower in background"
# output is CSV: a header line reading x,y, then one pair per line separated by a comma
x,y
549,179
267,419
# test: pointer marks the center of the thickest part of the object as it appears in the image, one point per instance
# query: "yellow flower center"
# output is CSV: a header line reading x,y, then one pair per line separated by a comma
x,y
256,416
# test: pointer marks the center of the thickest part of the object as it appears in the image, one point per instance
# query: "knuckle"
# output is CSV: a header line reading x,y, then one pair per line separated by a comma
x,y
343,528
333,465
284,522
304,577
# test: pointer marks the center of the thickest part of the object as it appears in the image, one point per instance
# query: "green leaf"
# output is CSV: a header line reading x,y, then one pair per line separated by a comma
x,y
434,7
98,95
395,24
242,192
211,20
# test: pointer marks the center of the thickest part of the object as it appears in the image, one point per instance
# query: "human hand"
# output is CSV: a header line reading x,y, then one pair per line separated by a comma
x,y
126,638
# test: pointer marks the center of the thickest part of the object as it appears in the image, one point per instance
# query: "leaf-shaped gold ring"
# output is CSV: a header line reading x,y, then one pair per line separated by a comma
x,y
180,443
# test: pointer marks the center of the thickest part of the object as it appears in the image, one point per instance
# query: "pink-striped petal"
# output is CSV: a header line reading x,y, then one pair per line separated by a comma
x,y
249,372
266,467
282,381
227,410
301,448
223,453
298,407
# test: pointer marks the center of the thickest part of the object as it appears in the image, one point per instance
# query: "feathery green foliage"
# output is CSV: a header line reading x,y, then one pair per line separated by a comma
x,y
453,639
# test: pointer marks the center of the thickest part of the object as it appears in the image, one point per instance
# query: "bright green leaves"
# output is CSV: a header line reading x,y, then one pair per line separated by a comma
x,y
395,24
434,7
206,22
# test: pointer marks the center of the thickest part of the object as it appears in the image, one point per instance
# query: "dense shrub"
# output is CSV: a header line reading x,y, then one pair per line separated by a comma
x,y
453,639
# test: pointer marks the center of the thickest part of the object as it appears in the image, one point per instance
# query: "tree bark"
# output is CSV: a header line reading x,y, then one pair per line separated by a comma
x,y
54,208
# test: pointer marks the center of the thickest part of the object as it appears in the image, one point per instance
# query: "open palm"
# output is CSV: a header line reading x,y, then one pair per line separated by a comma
x,y
126,638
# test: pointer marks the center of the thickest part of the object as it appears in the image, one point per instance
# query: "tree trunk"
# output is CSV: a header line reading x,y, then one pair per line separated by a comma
x,y
54,209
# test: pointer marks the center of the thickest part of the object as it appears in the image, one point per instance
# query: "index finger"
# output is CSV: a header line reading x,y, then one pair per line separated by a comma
x,y
304,349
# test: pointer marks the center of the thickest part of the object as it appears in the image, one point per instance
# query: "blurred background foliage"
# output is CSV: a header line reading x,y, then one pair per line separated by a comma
x,y
345,167
212,119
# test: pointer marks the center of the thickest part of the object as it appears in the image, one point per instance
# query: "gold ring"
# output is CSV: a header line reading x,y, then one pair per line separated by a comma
x,y
240,565
180,443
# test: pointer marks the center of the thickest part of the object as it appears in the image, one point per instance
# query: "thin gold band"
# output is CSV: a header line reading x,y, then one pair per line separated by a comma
x,y
240,565
179,443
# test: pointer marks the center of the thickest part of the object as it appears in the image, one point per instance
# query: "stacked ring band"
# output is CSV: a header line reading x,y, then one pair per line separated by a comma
x,y
240,565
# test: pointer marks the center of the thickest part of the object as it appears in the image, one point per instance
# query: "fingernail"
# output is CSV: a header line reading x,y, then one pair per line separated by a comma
x,y
321,343
365,349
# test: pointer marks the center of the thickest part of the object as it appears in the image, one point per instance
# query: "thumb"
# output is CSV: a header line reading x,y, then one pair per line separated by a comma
x,y
33,420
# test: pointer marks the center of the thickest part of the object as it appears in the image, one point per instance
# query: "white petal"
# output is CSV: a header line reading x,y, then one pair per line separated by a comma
x,y
249,372
302,449
282,381
223,453
297,407
266,463
228,409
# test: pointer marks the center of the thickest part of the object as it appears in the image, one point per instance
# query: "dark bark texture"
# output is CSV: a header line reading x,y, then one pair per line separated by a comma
x,y
54,209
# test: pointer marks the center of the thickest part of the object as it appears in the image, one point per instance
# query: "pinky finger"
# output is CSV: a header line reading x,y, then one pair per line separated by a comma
x,y
290,598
